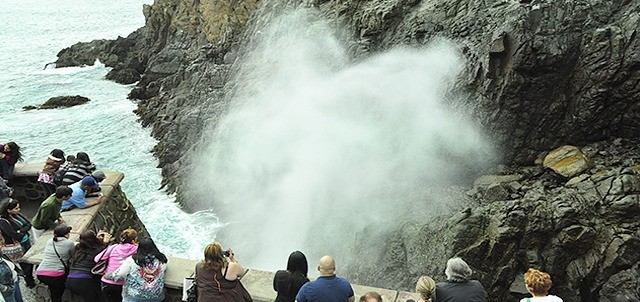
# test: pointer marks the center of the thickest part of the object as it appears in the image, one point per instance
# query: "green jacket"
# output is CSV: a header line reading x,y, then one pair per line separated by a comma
x,y
48,214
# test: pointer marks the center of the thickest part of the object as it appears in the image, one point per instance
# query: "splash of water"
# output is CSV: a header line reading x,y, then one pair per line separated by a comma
x,y
316,148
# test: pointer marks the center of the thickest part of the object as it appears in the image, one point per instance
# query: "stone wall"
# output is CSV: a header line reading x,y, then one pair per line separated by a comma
x,y
118,214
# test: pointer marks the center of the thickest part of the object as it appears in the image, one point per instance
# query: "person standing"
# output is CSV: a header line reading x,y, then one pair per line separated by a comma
x,y
48,215
81,281
328,287
47,174
9,155
112,290
143,273
459,287
80,168
53,268
288,283
9,282
426,289
371,297
15,228
538,284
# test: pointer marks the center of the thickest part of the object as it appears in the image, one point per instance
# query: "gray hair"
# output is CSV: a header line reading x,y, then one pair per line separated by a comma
x,y
457,270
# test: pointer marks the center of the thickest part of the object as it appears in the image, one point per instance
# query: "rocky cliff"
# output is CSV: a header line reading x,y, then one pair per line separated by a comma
x,y
540,74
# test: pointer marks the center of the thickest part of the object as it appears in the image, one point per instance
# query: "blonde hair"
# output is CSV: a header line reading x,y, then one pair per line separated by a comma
x,y
538,282
213,257
426,288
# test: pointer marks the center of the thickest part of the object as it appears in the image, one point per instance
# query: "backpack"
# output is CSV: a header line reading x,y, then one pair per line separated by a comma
x,y
58,176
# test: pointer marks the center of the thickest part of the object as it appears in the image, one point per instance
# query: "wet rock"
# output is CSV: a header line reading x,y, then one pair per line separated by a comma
x,y
64,101
124,76
60,102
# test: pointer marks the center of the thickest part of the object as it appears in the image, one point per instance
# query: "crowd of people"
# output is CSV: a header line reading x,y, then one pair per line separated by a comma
x,y
133,268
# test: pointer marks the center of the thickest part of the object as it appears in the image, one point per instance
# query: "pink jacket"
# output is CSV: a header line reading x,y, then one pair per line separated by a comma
x,y
116,254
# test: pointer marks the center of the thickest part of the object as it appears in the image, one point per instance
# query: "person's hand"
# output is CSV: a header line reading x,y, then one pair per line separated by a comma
x,y
1,155
231,255
104,236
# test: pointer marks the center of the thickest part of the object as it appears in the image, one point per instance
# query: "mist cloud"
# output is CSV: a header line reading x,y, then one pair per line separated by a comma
x,y
316,148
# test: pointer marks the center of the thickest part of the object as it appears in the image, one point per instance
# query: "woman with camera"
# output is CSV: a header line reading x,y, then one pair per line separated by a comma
x,y
218,276
115,255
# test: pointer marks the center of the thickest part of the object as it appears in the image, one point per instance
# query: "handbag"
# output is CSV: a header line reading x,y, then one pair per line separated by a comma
x,y
189,290
101,266
13,250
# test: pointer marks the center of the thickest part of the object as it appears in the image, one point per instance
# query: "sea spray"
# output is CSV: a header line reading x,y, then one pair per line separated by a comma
x,y
314,148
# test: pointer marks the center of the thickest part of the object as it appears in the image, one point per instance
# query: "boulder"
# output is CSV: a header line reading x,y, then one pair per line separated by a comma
x,y
60,102
567,161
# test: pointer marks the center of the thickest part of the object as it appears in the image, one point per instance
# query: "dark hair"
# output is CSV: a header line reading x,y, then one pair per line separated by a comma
x,y
15,151
6,205
87,242
298,267
57,153
298,263
62,191
147,252
82,158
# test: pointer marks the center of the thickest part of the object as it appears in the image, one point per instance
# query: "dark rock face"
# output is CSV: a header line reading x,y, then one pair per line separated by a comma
x,y
584,232
540,74
60,102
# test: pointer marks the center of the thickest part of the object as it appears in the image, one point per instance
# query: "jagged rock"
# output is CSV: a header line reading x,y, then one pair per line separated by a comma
x,y
538,75
573,182
123,76
495,192
567,161
64,101
487,180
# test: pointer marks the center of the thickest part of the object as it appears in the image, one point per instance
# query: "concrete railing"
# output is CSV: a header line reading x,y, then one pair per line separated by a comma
x,y
117,214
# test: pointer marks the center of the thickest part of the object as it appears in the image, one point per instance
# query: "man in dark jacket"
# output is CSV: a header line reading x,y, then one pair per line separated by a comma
x,y
459,287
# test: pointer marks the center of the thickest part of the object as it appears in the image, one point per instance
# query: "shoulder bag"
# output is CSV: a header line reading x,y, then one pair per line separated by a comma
x,y
66,267
101,266
190,289
13,250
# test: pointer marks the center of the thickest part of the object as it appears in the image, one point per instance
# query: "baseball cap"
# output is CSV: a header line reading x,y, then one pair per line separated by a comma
x,y
61,230
98,175
90,182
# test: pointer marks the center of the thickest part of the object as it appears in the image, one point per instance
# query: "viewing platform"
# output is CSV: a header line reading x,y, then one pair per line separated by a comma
x,y
117,214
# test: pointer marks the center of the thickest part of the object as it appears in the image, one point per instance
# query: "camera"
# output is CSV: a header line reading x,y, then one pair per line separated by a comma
x,y
226,253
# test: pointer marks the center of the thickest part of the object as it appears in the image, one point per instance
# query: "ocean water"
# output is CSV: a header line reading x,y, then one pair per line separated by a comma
x,y
31,34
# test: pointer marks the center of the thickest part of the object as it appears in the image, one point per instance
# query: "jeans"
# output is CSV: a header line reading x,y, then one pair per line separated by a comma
x,y
27,269
6,170
14,295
